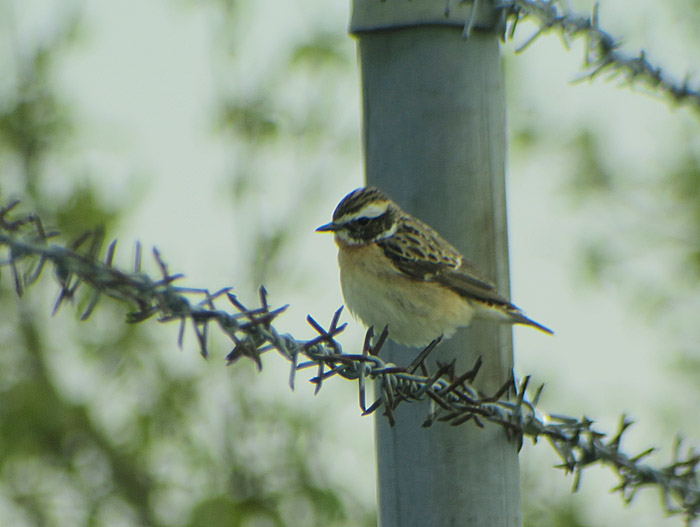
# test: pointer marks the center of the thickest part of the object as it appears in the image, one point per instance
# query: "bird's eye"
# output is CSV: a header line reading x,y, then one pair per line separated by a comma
x,y
363,222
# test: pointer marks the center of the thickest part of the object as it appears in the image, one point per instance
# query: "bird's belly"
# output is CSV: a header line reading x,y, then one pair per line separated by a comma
x,y
416,312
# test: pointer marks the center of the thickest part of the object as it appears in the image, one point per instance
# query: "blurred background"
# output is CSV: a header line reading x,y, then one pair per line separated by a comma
x,y
224,132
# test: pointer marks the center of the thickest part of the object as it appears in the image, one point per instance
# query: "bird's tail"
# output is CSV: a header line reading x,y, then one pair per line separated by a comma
x,y
519,318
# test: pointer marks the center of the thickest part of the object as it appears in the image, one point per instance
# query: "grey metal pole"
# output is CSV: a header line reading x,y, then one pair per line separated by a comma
x,y
434,140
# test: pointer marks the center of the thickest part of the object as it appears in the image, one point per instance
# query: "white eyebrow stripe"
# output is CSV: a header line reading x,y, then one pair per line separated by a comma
x,y
387,234
371,210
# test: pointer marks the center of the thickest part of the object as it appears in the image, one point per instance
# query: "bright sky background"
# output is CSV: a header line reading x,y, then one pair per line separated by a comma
x,y
144,81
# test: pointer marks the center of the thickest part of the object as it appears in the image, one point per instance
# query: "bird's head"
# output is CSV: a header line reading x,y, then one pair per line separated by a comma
x,y
364,216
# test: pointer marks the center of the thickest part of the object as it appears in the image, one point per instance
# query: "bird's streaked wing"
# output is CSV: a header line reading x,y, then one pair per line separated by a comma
x,y
419,252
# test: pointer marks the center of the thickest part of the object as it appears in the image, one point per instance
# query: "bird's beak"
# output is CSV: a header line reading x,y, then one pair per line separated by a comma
x,y
328,227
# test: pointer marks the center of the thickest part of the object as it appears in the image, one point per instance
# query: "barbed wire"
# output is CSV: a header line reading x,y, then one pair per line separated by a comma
x,y
454,399
603,53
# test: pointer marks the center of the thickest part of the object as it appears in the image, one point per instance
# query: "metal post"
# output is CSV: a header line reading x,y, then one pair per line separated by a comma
x,y
434,140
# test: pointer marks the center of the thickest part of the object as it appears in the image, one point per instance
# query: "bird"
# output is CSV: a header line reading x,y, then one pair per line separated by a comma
x,y
399,273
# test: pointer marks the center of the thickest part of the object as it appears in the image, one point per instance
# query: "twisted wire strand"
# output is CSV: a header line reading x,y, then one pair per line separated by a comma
x,y
454,400
603,52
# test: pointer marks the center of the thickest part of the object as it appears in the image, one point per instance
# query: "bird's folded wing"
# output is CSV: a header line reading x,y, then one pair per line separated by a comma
x,y
449,270
463,283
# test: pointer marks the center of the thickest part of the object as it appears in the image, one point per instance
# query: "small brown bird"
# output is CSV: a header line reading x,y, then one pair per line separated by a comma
x,y
398,272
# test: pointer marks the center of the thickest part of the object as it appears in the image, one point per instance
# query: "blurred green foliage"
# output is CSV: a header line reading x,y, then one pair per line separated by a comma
x,y
262,121
565,513
589,174
97,425
654,220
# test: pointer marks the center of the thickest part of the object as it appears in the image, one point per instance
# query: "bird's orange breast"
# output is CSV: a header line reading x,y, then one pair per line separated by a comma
x,y
376,292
